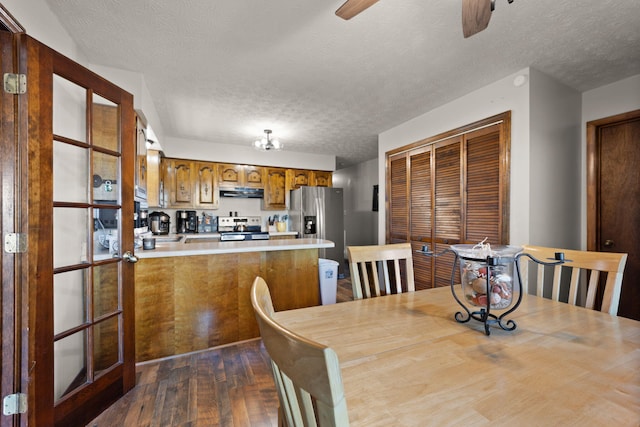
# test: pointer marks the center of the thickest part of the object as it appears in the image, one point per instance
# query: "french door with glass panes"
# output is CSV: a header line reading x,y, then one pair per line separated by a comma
x,y
79,178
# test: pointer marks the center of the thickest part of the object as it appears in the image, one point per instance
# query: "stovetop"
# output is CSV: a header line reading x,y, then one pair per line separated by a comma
x,y
226,236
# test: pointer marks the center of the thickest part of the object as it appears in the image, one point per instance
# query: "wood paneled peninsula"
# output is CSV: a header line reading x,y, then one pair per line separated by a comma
x,y
193,296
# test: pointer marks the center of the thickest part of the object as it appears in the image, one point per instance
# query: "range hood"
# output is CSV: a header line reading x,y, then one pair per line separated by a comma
x,y
242,193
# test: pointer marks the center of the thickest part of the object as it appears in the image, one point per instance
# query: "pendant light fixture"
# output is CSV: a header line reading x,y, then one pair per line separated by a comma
x,y
266,143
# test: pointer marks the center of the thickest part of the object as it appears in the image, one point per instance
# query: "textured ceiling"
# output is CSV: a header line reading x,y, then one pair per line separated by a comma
x,y
221,71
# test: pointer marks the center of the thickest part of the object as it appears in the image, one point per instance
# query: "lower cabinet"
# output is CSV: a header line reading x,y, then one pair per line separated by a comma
x,y
190,303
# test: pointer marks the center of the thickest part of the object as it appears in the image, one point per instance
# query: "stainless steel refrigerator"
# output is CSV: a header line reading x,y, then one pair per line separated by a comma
x,y
317,212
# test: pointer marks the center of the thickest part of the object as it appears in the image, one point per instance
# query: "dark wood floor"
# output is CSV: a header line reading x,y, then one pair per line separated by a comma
x,y
229,386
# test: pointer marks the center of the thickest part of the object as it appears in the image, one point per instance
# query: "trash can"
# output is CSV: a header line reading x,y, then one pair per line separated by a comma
x,y
328,270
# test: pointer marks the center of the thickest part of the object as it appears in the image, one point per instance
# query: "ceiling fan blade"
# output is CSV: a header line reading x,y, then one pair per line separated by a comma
x,y
351,8
475,16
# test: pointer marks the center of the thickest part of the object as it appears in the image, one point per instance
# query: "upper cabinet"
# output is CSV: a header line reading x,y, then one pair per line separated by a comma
x,y
155,184
230,176
298,178
179,182
320,179
207,195
276,190
140,182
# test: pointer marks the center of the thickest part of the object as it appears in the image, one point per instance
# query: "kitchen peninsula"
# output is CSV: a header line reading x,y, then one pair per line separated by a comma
x,y
193,296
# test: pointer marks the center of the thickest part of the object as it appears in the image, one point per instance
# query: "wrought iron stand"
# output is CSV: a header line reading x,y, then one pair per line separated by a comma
x,y
484,314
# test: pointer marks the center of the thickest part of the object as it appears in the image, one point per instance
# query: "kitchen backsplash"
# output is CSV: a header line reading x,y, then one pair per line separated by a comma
x,y
244,207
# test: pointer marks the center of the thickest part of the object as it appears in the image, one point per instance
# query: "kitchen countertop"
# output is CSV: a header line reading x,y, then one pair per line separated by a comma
x,y
180,248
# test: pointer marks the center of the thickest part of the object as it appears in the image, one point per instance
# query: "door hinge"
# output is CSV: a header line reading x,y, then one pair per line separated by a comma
x,y
15,84
15,243
14,404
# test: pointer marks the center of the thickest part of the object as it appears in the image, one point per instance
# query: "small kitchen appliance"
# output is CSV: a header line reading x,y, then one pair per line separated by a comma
x,y
160,222
233,228
181,222
192,222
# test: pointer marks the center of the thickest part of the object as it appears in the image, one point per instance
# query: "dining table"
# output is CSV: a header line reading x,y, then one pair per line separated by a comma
x,y
406,361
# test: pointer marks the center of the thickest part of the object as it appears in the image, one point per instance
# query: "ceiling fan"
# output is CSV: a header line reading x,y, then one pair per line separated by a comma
x,y
475,13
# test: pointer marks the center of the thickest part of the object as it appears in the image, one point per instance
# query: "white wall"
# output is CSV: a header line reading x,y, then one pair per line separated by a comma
x,y
210,151
134,83
360,222
40,23
490,100
615,98
554,187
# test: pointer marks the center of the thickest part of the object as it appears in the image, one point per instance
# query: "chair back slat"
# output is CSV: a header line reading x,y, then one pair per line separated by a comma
x,y
366,262
307,374
581,264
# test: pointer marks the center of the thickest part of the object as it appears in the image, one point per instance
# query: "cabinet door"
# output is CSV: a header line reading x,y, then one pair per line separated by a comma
x,y
276,193
180,183
140,183
398,199
207,195
485,180
253,176
447,203
230,176
421,214
155,197
321,178
298,178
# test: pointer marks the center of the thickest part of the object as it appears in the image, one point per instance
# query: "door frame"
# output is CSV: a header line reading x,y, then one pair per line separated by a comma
x,y
12,201
593,173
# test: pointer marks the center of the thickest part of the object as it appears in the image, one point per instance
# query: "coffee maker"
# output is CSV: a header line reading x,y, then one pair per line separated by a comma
x,y
181,222
192,222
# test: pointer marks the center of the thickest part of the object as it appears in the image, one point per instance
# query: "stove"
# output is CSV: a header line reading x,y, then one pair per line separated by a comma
x,y
236,228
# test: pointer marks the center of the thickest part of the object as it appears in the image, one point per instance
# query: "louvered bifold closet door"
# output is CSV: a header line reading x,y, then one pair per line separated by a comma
x,y
398,209
483,183
448,205
421,214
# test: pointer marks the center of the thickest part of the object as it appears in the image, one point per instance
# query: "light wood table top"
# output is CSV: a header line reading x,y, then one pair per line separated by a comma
x,y
405,361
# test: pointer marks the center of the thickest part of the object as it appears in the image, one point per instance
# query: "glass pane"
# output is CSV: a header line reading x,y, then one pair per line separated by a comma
x,y
69,109
106,124
70,171
105,233
105,289
70,363
70,227
69,300
105,177
106,345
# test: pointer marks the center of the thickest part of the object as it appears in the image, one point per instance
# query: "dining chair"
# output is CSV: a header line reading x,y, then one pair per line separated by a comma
x,y
364,263
583,265
306,373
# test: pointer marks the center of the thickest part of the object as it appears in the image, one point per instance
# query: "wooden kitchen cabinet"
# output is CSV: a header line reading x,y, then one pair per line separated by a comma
x,y
207,195
180,182
298,178
231,176
155,193
141,171
276,191
320,179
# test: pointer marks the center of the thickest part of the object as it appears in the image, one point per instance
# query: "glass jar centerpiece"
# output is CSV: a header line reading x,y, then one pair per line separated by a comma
x,y
489,280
